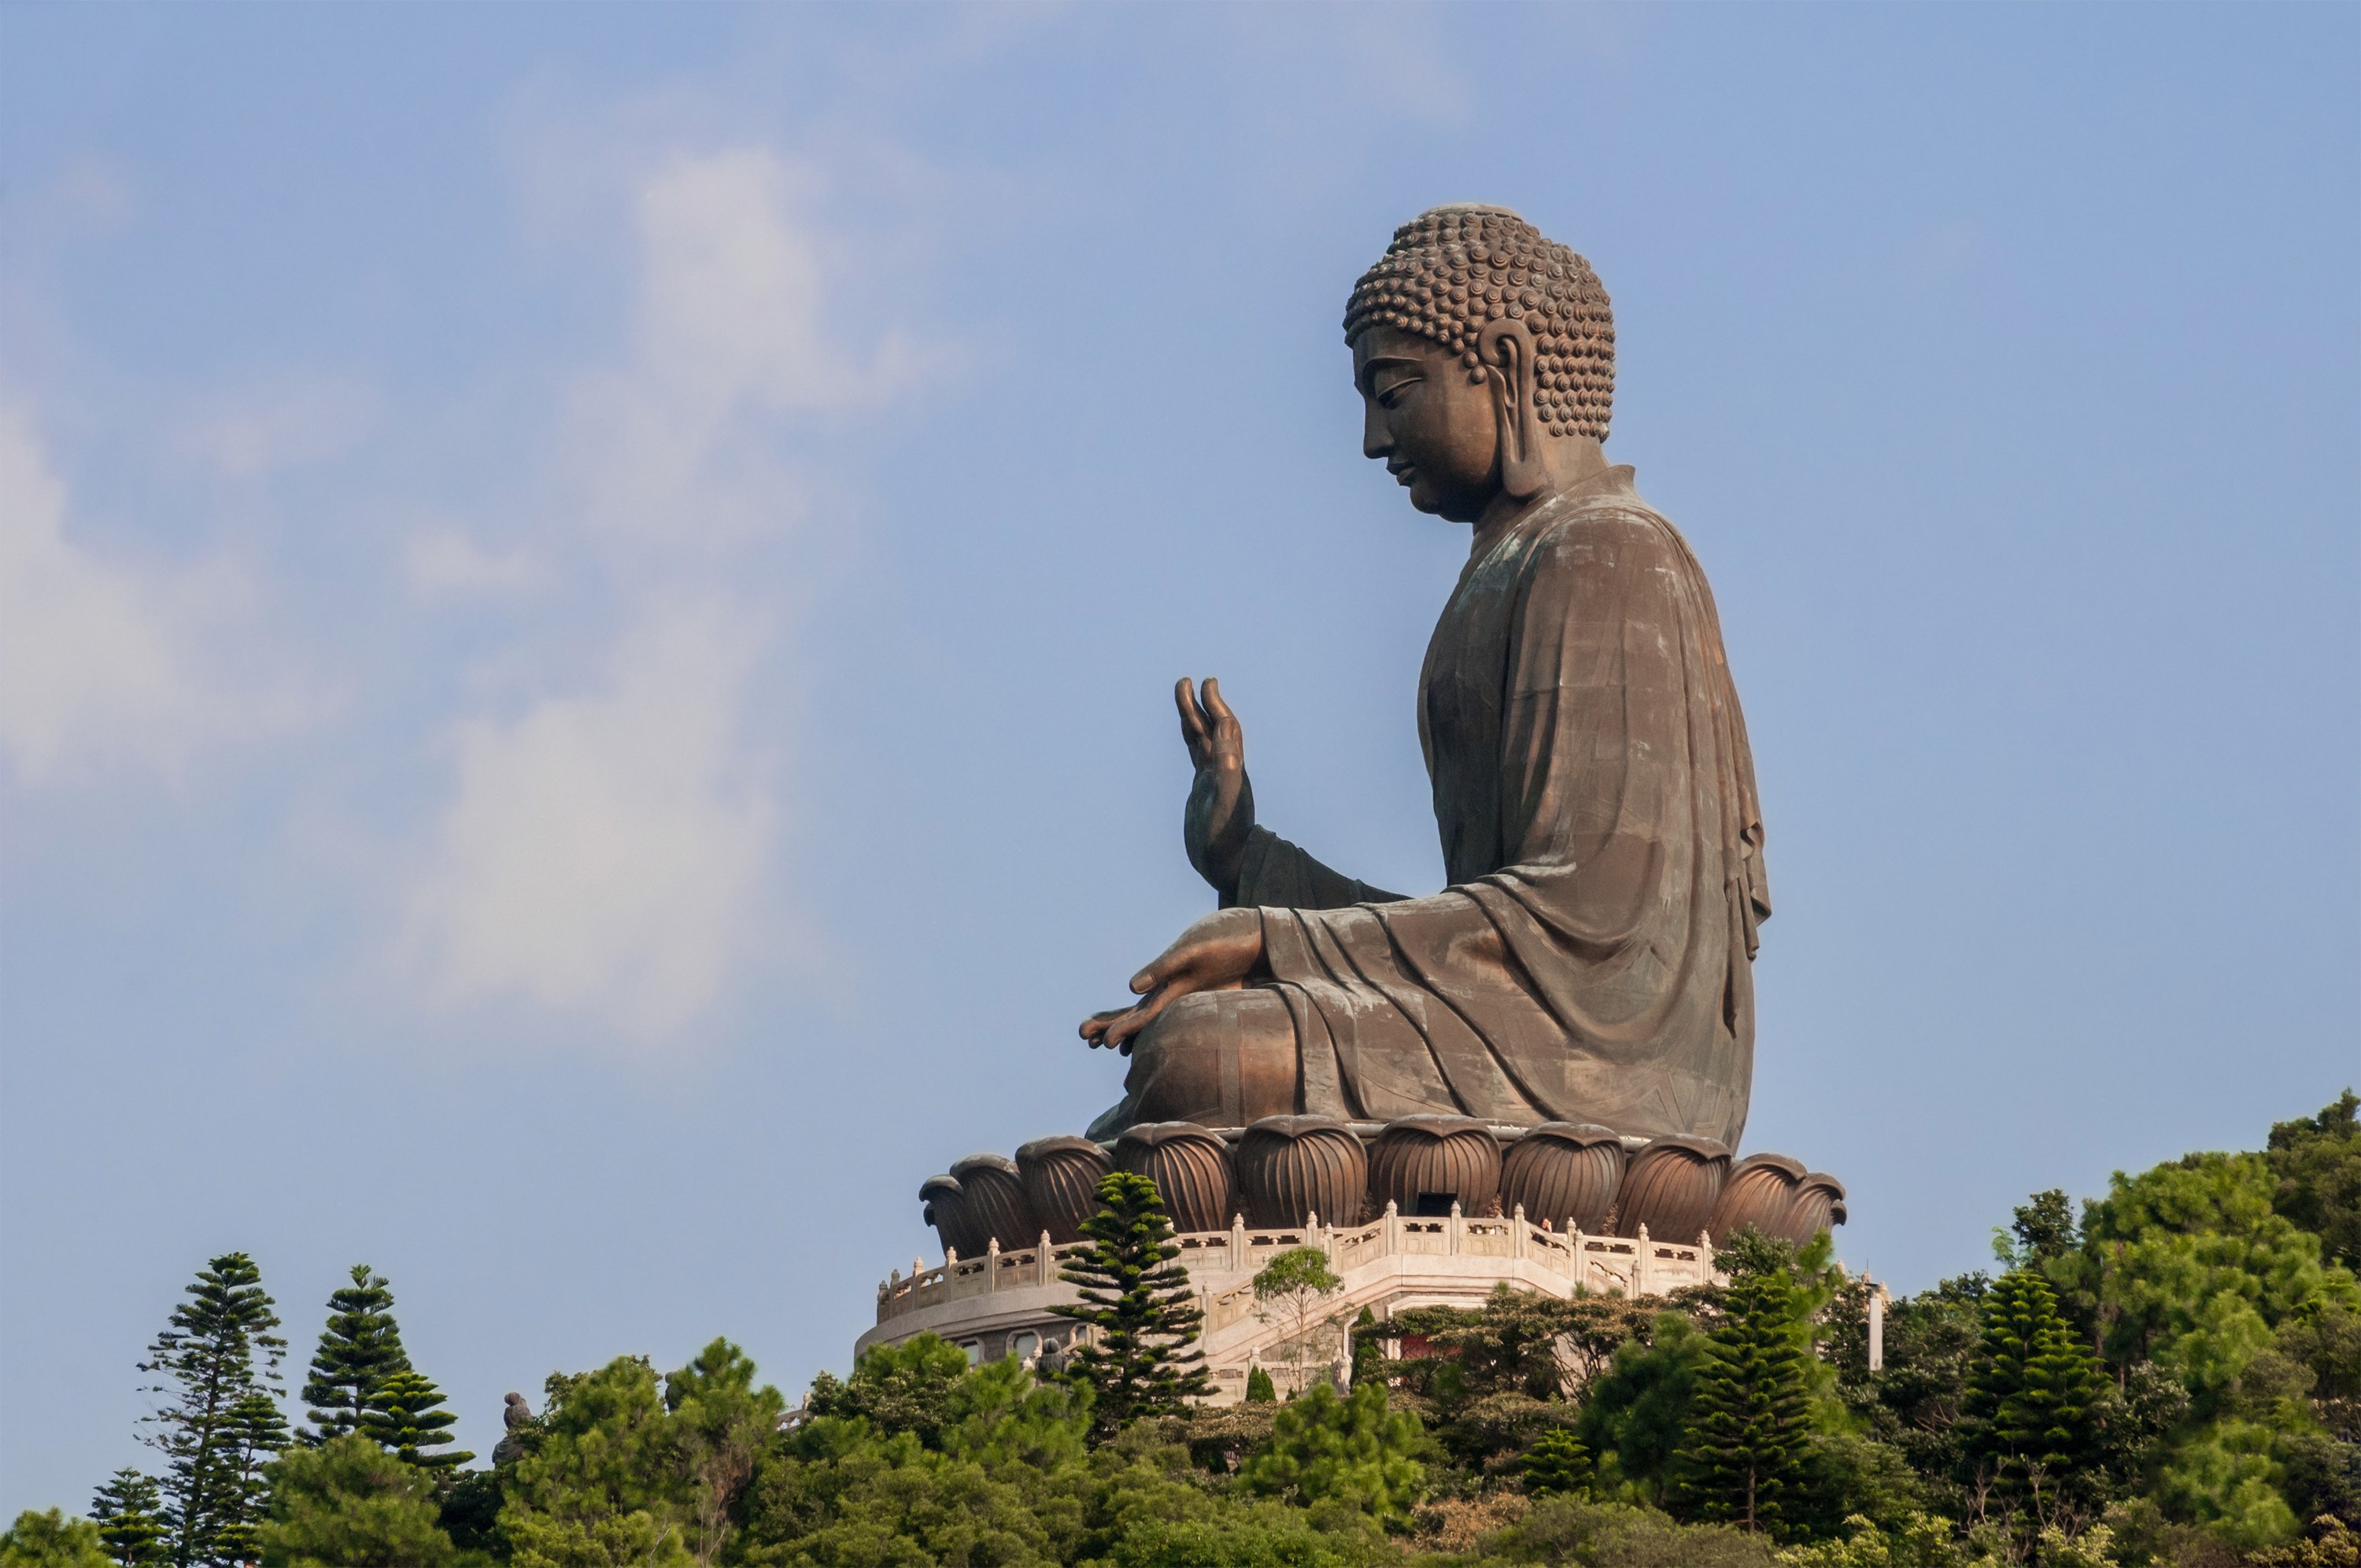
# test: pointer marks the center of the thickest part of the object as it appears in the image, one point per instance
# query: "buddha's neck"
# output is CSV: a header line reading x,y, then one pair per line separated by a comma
x,y
1569,462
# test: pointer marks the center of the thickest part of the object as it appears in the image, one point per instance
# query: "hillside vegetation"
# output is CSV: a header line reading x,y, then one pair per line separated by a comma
x,y
2171,1374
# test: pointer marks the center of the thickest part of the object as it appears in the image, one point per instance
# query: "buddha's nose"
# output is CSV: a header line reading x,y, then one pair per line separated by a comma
x,y
1375,439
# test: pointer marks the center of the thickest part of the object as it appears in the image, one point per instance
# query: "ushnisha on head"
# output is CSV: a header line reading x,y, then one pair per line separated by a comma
x,y
1486,353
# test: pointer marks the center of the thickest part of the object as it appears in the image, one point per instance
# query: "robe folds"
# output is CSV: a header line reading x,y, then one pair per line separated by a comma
x,y
1591,958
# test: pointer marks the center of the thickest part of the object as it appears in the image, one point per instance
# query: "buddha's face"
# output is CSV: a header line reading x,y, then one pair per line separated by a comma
x,y
1436,429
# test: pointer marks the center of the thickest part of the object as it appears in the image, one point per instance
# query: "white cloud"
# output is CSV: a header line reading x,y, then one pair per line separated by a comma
x,y
731,330
608,853
262,430
444,561
98,663
604,852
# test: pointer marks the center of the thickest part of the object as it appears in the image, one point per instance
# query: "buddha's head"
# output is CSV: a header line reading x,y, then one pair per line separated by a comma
x,y
1484,355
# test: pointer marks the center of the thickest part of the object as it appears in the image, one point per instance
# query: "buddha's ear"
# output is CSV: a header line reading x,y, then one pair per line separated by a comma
x,y
1507,351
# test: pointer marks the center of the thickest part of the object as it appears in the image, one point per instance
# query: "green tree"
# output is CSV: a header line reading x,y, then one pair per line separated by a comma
x,y
1010,1485
361,1347
2028,1410
1351,1453
219,1424
1574,1530
2044,1228
1749,1417
594,1494
470,1512
348,1503
1913,1402
631,1469
2163,1246
1291,1288
1259,1387
1138,1301
721,1423
129,1511
2189,1266
896,1388
1508,1345
1556,1464
2315,1164
258,1435
1368,1350
1635,1415
405,1415
52,1539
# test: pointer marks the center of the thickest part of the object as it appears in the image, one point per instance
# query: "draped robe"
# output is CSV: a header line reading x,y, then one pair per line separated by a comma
x,y
1591,958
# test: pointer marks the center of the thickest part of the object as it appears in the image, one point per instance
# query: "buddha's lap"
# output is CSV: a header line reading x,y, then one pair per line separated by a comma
x,y
1204,1023
1222,1057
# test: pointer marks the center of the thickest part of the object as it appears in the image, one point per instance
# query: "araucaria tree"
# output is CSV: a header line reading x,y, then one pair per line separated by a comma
x,y
1557,1464
1368,1350
1750,1418
2028,1411
361,1347
405,1415
219,1424
129,1511
1136,1300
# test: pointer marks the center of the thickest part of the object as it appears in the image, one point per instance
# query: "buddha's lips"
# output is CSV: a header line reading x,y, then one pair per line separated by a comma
x,y
1403,475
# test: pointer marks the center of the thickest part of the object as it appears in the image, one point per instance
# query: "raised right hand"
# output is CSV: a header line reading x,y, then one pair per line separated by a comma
x,y
1221,812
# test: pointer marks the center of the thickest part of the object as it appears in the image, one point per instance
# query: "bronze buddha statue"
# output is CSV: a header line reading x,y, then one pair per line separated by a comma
x,y
1590,959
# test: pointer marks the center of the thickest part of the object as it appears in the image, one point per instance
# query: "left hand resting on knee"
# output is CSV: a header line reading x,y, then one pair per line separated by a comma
x,y
1219,952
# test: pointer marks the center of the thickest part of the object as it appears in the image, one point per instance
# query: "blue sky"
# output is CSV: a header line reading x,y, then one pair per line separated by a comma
x,y
588,597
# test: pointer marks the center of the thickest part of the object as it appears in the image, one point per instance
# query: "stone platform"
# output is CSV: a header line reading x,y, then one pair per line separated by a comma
x,y
998,1304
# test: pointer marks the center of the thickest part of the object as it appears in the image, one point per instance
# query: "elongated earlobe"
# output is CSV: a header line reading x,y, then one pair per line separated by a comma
x,y
1509,353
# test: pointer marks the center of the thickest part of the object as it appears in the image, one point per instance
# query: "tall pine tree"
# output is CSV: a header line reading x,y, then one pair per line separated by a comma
x,y
361,1347
1749,1417
1368,1350
2026,1417
1557,1464
129,1512
405,1415
1140,1302
257,1435
219,1423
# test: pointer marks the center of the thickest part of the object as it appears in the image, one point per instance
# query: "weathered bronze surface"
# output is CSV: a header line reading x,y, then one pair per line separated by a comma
x,y
1190,1167
995,1203
944,1206
1564,1173
1819,1203
1671,1187
1424,1164
1291,1167
1760,1191
1061,1180
1591,960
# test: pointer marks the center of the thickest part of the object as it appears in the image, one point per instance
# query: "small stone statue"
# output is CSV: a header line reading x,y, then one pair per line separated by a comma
x,y
516,1417
1591,960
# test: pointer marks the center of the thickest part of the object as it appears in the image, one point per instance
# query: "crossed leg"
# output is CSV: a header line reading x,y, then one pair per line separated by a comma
x,y
1220,1058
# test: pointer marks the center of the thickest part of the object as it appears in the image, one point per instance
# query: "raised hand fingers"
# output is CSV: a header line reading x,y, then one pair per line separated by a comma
x,y
1196,729
1227,732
